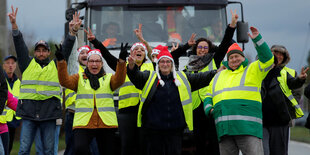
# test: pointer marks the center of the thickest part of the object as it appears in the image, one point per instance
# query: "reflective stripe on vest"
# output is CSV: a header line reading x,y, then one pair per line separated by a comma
x,y
238,118
15,92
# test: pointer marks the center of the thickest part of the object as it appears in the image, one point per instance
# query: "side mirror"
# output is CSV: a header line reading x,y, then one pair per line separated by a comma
x,y
242,32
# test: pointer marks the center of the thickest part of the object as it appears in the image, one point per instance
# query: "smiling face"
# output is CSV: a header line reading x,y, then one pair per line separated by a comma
x,y
9,66
94,64
41,52
83,58
279,56
165,66
138,53
235,60
202,48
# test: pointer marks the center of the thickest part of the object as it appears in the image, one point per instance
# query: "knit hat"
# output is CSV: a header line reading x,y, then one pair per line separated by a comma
x,y
156,51
164,53
85,47
93,52
137,44
234,48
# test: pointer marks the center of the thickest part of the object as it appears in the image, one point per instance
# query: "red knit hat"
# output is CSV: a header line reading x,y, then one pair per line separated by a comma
x,y
85,47
234,48
164,53
94,52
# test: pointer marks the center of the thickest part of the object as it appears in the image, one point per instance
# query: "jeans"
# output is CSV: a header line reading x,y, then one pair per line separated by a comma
x,y
5,142
28,133
1,147
38,142
249,145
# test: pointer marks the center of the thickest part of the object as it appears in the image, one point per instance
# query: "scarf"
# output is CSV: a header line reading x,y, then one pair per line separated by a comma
x,y
197,63
94,82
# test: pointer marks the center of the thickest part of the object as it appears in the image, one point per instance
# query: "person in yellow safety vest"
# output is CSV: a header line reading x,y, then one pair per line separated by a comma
x,y
9,66
166,103
233,99
95,115
279,105
40,101
128,95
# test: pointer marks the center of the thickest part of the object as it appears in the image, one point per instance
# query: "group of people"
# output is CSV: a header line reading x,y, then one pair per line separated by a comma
x,y
228,106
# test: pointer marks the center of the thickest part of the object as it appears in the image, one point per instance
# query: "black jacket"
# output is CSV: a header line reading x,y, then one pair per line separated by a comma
x,y
37,110
277,109
162,108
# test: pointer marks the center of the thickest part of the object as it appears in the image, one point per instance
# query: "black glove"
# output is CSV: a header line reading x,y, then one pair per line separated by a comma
x,y
123,54
58,53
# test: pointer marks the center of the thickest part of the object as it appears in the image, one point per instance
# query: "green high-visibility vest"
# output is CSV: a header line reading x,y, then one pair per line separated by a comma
x,y
40,83
288,93
85,98
128,93
15,92
184,93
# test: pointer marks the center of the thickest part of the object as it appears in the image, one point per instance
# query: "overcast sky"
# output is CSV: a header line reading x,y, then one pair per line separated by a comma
x,y
284,22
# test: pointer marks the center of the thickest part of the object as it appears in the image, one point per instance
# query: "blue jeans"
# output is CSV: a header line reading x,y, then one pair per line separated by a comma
x,y
38,142
1,147
28,133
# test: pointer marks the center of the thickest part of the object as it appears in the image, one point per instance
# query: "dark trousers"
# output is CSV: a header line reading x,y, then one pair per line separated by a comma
x,y
5,142
105,140
129,133
205,136
275,140
162,142
11,136
68,133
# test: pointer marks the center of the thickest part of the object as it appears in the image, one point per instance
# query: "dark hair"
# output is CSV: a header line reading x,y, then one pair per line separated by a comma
x,y
194,49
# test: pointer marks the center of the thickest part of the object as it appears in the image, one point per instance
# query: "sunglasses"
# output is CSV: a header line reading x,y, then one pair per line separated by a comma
x,y
203,47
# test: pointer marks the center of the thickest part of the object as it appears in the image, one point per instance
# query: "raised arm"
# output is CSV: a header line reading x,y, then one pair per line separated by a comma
x,y
118,78
221,50
200,80
65,80
137,77
297,82
19,43
108,57
74,26
177,52
139,35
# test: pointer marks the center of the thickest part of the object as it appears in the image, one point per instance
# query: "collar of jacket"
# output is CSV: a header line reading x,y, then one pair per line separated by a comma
x,y
244,64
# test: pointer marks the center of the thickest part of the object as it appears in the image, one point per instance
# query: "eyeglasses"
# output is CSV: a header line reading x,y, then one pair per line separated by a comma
x,y
94,61
163,62
202,47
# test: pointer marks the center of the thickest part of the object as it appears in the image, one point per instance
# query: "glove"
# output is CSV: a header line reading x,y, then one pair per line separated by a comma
x,y
58,53
123,54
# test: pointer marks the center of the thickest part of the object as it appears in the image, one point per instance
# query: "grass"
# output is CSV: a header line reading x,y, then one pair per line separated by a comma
x,y
300,134
61,146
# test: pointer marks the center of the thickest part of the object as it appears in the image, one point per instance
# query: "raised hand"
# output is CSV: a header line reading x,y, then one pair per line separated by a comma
x,y
58,53
12,17
234,18
303,73
191,40
139,34
131,62
174,47
123,54
75,23
90,36
254,31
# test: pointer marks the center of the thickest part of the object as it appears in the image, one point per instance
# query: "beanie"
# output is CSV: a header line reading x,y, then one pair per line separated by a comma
x,y
234,48
164,53
93,52
85,47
